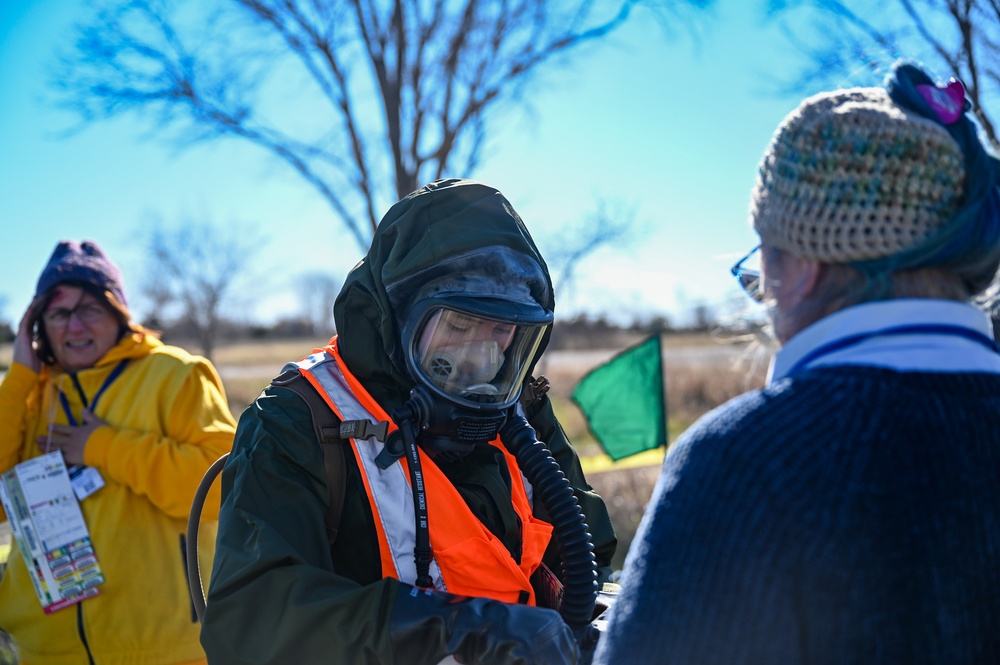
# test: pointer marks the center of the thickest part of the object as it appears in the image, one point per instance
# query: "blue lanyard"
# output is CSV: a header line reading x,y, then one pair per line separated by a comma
x,y
926,329
115,373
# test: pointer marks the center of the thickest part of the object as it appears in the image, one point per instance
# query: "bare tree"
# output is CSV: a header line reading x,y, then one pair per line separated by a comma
x,y
196,266
364,99
960,38
317,292
159,295
579,241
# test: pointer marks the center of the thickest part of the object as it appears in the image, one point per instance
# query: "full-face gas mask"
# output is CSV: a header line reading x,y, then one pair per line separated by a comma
x,y
469,357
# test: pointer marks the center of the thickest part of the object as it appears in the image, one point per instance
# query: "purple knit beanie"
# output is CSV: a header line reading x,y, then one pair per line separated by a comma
x,y
73,261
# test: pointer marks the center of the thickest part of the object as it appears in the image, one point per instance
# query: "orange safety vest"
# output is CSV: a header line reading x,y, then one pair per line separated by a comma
x,y
468,558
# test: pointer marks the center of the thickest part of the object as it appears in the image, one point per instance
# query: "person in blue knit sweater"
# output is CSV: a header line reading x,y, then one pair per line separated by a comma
x,y
849,511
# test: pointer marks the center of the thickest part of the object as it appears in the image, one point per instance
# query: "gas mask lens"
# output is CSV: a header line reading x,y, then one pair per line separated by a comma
x,y
473,358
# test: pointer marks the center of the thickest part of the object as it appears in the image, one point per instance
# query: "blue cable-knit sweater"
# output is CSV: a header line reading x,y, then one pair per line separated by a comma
x,y
841,515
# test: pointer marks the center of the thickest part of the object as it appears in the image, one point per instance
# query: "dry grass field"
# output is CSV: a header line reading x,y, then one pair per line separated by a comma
x,y
701,372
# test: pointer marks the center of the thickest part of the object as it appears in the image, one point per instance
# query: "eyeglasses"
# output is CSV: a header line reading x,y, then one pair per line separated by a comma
x,y
88,312
749,278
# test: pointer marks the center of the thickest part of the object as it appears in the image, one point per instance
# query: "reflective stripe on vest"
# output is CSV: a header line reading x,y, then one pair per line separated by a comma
x,y
389,490
468,559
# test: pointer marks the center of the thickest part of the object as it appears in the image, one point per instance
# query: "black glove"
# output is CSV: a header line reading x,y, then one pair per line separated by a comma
x,y
427,626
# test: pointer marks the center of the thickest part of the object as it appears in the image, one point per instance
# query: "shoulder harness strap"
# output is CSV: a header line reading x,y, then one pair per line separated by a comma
x,y
328,433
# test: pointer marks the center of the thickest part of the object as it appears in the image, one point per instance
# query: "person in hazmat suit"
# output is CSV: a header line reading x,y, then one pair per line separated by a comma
x,y
441,547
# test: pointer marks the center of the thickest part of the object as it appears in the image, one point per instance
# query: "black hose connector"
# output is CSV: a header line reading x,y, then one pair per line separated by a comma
x,y
572,533
192,562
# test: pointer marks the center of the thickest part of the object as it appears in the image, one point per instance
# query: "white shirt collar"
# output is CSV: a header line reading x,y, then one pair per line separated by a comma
x,y
888,334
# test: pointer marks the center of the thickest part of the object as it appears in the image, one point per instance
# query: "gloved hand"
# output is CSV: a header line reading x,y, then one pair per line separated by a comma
x,y
427,626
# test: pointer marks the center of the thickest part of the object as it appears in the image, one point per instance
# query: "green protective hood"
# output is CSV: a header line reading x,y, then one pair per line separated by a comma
x,y
459,233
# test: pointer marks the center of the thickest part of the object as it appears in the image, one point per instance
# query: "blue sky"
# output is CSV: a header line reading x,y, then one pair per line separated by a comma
x,y
670,129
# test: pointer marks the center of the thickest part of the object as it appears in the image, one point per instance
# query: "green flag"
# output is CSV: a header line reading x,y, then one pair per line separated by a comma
x,y
623,401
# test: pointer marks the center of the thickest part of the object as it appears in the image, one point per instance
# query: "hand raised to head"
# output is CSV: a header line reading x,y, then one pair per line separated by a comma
x,y
24,350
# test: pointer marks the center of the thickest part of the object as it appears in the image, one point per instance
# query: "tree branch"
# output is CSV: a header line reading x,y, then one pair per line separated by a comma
x,y
438,68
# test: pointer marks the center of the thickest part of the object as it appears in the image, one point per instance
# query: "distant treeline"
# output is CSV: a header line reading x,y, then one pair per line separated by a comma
x,y
585,332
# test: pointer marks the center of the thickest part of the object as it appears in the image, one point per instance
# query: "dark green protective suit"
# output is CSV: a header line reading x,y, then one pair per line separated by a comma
x,y
279,593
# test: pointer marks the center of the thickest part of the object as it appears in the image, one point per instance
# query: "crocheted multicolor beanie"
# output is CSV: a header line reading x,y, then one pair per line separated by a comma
x,y
850,176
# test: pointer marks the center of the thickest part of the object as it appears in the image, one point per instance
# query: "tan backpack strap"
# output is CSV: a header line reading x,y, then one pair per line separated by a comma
x,y
327,427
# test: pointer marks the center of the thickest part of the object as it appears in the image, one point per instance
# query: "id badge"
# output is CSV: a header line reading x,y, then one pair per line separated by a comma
x,y
85,480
